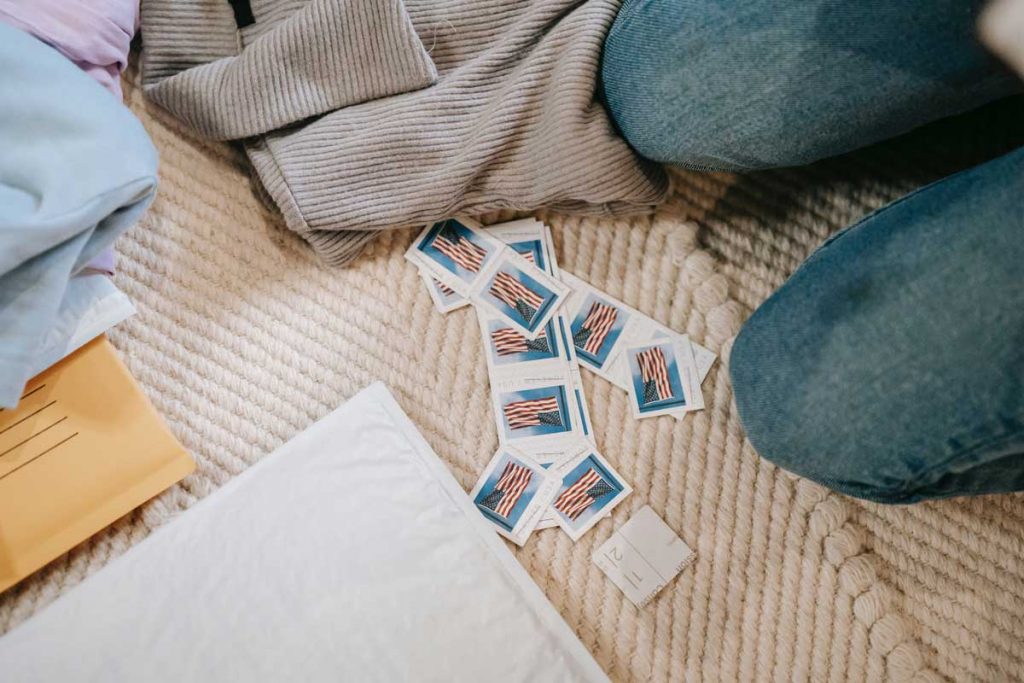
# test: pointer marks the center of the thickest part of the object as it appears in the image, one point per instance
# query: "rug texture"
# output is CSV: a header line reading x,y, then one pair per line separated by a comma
x,y
243,339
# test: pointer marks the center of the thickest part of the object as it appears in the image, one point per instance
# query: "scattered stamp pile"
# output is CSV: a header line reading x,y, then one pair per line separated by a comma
x,y
539,326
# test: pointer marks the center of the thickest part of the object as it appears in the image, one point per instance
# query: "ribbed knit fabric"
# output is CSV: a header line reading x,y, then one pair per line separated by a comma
x,y
362,116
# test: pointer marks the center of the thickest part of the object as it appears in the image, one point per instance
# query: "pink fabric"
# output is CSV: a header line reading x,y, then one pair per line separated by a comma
x,y
103,262
94,34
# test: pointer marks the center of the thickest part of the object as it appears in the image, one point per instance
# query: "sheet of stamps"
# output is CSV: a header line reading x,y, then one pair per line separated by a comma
x,y
513,493
538,326
663,378
511,356
589,490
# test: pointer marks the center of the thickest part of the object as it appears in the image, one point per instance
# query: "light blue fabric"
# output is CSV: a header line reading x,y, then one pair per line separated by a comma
x,y
91,306
76,170
891,365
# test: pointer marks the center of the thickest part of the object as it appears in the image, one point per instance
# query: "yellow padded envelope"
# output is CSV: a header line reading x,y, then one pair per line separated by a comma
x,y
83,447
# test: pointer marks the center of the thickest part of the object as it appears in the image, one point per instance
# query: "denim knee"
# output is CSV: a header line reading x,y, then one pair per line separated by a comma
x,y
786,426
766,83
891,365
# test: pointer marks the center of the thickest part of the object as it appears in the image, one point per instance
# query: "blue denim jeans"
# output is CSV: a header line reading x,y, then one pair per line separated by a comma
x,y
749,84
890,366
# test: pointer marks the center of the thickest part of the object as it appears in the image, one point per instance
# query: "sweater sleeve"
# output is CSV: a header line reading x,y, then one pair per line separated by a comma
x,y
325,55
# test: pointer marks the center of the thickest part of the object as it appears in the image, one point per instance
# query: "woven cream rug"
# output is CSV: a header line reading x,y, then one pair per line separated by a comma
x,y
242,340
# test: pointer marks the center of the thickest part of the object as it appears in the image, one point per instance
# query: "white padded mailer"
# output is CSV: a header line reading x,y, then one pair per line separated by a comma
x,y
349,554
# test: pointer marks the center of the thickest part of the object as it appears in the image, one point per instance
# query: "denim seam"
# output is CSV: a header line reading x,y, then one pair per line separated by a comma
x,y
846,488
925,478
896,495
907,490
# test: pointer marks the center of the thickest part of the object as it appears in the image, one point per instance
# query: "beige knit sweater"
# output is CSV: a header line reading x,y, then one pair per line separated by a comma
x,y
362,115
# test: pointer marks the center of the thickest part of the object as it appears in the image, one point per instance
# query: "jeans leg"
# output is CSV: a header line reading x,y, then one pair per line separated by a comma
x,y
890,366
751,84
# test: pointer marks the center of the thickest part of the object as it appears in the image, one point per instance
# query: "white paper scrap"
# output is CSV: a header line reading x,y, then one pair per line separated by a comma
x,y
643,556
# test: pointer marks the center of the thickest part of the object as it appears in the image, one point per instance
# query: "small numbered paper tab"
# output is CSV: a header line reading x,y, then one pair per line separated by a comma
x,y
643,556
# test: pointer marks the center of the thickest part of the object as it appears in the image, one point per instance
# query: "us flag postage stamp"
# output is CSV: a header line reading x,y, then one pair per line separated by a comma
x,y
662,378
589,489
519,292
455,252
536,412
506,347
527,413
510,353
512,494
597,325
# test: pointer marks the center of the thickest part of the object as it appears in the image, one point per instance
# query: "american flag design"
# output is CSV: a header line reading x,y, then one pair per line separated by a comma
x,y
595,328
582,494
460,250
508,341
517,295
533,412
509,489
445,289
528,255
654,375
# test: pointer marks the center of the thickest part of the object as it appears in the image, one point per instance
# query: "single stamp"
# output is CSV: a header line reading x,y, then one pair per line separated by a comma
x,y
526,413
589,490
520,293
513,493
661,378
455,252
506,346
597,325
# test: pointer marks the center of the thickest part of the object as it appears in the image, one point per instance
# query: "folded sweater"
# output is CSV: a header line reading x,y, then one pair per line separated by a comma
x,y
363,115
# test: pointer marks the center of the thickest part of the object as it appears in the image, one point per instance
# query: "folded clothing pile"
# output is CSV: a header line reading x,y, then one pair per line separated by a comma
x,y
364,116
77,170
95,35
539,326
